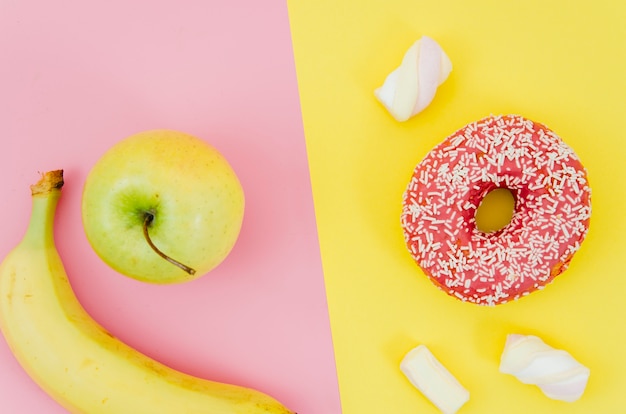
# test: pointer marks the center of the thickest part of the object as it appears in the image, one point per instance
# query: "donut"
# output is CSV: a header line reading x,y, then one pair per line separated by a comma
x,y
550,218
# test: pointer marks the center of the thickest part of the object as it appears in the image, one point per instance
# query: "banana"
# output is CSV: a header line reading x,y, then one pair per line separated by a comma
x,y
73,358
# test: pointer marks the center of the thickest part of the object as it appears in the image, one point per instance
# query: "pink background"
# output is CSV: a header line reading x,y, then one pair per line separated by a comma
x,y
78,76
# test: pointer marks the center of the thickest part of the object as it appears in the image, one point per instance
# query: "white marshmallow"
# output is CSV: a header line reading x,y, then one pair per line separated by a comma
x,y
433,380
411,87
554,371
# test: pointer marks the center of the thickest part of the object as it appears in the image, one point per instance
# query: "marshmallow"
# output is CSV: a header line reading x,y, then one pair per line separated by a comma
x,y
554,371
411,87
433,380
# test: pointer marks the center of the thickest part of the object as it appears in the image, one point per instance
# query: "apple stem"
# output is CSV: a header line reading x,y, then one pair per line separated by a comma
x,y
146,223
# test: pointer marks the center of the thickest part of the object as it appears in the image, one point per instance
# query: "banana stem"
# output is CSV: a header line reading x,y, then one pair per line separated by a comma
x,y
49,181
146,223
45,196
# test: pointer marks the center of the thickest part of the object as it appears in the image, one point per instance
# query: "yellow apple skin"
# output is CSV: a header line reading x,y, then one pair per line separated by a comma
x,y
191,190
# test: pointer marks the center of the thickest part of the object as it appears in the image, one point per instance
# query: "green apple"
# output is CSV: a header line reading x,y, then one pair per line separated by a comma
x,y
163,207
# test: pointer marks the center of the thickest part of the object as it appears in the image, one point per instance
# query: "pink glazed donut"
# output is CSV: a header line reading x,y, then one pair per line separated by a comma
x,y
550,221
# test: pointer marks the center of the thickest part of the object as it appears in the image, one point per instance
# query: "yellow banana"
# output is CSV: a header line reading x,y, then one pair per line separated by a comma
x,y
74,359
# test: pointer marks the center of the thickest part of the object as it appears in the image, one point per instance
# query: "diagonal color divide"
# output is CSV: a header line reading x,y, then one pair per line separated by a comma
x,y
76,78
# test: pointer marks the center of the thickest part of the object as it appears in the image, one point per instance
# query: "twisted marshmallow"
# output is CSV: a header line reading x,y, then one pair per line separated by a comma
x,y
411,87
555,371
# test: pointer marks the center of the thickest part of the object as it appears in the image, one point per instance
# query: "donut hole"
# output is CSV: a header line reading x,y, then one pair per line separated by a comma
x,y
495,210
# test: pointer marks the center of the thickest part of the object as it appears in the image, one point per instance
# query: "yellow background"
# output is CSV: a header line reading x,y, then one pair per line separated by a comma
x,y
561,63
